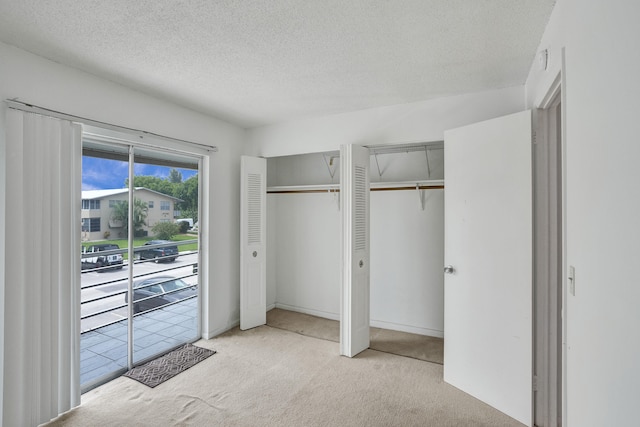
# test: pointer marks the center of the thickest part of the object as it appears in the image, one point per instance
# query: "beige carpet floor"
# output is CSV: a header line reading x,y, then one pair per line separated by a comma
x,y
430,349
272,377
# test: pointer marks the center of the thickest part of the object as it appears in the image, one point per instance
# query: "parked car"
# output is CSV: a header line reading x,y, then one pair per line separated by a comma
x,y
162,254
99,261
160,291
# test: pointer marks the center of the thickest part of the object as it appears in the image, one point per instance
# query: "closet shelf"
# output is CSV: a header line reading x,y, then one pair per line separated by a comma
x,y
321,188
433,184
408,185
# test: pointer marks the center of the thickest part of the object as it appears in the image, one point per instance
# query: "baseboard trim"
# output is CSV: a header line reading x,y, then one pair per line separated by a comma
x,y
219,331
375,323
407,328
318,313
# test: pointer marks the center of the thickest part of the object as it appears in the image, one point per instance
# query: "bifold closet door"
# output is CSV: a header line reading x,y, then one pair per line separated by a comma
x,y
253,259
354,195
488,253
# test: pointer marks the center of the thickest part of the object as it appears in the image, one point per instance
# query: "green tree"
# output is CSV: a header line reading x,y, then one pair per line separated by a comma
x,y
120,212
165,230
175,176
152,183
186,191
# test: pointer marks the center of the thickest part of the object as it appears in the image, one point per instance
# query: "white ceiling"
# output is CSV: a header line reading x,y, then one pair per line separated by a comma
x,y
256,62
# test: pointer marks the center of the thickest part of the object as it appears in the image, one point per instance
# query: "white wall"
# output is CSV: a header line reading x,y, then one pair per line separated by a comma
x,y
272,250
407,258
407,255
47,84
416,122
601,106
303,169
306,272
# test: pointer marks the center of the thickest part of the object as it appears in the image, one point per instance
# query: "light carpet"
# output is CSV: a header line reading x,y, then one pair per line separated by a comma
x,y
429,349
272,377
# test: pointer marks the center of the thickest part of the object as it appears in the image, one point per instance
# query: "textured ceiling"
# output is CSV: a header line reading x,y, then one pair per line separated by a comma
x,y
256,62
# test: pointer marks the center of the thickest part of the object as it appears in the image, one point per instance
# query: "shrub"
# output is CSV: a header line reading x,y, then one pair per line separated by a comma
x,y
165,230
139,232
184,226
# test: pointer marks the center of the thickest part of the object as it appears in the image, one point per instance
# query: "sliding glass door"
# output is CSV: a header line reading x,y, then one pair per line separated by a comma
x,y
140,254
165,279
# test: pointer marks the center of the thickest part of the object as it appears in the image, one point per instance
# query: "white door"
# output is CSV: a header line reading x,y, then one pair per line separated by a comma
x,y
488,245
354,195
253,276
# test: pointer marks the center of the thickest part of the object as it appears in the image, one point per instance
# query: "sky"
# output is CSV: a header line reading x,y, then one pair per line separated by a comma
x,y
105,174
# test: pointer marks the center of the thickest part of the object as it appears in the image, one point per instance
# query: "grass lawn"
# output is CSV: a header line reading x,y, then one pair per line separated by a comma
x,y
139,241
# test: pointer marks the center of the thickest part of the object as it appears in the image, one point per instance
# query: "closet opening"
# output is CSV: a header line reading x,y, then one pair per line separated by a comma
x,y
407,245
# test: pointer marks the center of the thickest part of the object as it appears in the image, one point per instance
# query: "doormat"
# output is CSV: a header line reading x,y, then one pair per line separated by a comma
x,y
171,364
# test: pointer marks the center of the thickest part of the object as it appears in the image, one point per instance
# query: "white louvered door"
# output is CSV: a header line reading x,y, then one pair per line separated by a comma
x,y
253,206
354,194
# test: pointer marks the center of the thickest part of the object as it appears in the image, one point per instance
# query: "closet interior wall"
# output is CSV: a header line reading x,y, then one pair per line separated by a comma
x,y
407,238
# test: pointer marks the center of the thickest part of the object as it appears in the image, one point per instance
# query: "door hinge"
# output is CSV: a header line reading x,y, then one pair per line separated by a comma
x,y
535,383
534,137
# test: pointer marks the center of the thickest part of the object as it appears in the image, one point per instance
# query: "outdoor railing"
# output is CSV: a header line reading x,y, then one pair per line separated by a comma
x,y
103,299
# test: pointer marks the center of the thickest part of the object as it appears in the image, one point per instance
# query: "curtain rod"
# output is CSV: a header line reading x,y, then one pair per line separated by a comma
x,y
31,108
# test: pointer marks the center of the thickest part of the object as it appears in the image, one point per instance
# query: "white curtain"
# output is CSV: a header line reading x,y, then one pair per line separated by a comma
x,y
42,274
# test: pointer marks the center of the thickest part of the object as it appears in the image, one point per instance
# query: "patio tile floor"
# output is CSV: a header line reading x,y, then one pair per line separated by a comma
x,y
103,351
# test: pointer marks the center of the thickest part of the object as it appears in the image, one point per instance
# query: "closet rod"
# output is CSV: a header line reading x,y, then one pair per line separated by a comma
x,y
419,187
302,191
337,190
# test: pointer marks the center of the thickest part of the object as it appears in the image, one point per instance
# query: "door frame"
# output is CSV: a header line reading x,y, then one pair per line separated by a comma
x,y
549,259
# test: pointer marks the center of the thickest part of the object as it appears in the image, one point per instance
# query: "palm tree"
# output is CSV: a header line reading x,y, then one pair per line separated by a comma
x,y
121,214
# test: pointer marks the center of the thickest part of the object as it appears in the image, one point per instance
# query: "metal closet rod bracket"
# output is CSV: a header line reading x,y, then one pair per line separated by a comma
x,y
405,148
420,196
330,163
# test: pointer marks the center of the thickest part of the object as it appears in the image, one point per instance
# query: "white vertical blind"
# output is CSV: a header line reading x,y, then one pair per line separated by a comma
x,y
42,296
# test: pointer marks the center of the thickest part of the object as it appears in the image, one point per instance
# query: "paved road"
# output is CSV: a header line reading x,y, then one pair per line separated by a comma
x,y
115,283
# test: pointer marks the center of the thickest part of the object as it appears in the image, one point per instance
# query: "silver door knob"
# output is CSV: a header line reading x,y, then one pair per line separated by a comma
x,y
449,269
